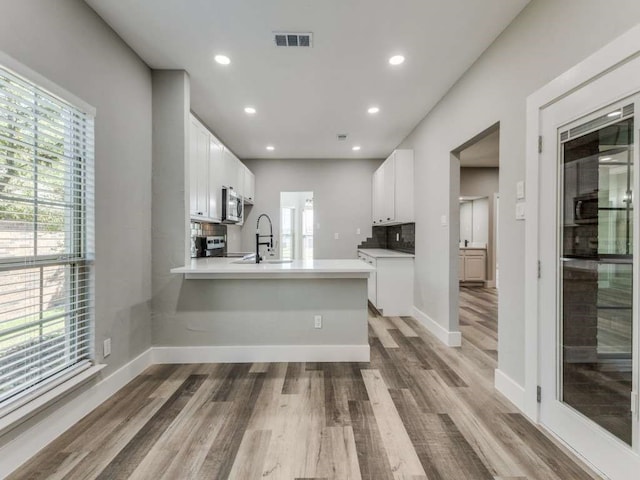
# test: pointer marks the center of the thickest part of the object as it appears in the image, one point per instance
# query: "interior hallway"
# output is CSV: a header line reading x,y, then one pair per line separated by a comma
x,y
418,410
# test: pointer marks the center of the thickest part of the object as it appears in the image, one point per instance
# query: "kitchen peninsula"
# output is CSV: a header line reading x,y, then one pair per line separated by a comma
x,y
305,311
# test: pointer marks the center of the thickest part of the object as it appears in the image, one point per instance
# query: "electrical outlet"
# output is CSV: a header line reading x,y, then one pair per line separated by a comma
x,y
106,348
317,321
336,236
357,231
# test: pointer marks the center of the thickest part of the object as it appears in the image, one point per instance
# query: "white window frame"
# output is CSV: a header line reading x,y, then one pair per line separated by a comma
x,y
30,400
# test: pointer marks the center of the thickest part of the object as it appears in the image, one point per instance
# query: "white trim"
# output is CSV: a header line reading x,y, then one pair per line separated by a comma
x,y
17,451
451,339
490,284
261,353
508,387
619,51
36,399
44,83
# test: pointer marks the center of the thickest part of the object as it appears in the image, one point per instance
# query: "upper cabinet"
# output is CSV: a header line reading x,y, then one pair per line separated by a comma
x,y
249,186
198,170
216,167
213,167
392,190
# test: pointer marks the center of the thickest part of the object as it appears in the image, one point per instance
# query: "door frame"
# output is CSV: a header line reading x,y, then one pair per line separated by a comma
x,y
617,53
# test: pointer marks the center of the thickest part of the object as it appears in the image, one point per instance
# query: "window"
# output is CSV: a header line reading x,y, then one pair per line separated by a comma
x,y
46,238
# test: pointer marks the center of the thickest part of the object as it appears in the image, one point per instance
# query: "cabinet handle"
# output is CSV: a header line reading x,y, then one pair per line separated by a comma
x,y
199,213
388,218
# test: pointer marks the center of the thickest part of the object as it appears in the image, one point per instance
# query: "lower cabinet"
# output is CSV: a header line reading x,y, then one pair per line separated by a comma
x,y
472,265
390,287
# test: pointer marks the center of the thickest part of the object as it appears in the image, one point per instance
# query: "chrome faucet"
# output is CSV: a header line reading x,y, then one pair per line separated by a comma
x,y
258,236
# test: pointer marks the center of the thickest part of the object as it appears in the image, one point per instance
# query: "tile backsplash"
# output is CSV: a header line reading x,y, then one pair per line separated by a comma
x,y
393,237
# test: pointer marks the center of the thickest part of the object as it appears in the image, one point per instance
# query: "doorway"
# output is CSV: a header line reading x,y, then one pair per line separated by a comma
x,y
478,248
296,225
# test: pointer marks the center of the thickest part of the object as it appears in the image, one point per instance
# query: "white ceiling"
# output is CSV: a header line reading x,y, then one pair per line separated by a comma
x,y
305,96
484,153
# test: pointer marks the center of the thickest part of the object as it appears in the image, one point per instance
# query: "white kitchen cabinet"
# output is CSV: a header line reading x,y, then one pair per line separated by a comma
x,y
198,170
216,167
377,189
213,167
249,186
230,173
388,212
390,287
392,185
473,265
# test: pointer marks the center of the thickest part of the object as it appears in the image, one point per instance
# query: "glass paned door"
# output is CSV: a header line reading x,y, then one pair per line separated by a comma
x,y
596,270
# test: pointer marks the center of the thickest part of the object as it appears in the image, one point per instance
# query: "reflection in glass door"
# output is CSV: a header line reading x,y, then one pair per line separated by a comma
x,y
596,280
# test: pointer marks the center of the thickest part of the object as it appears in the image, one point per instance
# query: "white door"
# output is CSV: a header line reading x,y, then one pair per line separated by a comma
x,y
588,290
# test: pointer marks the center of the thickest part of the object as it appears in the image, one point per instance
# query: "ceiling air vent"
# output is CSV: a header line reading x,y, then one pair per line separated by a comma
x,y
286,39
342,137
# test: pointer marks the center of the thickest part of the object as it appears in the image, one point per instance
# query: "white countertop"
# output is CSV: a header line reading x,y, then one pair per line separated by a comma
x,y
384,253
225,268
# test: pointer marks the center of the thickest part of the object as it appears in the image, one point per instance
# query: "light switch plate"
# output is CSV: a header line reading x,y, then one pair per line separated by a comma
x,y
357,231
443,220
520,210
520,190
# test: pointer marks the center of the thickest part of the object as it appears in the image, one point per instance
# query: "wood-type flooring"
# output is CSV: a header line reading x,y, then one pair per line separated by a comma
x,y
418,410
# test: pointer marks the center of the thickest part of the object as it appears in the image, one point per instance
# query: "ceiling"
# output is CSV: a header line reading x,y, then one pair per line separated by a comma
x,y
484,153
304,97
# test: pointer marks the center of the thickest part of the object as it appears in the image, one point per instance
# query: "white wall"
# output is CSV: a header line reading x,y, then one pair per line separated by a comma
x,y
546,39
341,200
66,42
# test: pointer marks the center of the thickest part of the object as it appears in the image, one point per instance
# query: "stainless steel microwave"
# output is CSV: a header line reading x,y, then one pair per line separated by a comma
x,y
231,206
585,208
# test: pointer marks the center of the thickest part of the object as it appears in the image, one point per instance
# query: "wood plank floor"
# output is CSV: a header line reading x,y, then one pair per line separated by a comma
x,y
417,411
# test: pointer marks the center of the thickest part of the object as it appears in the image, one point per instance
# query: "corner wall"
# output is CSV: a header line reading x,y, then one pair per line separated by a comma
x,y
546,39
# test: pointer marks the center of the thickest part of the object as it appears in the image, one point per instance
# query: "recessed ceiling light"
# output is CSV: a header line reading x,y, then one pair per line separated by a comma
x,y
615,114
373,110
249,110
396,60
355,148
271,148
222,59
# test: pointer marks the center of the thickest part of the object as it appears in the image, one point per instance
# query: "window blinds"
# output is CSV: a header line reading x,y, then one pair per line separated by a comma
x,y
46,237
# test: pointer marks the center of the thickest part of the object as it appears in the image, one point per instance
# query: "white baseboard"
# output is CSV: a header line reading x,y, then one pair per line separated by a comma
x,y
509,388
17,451
261,353
451,339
